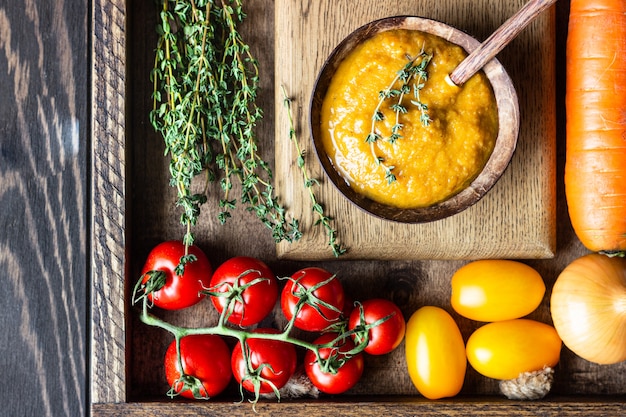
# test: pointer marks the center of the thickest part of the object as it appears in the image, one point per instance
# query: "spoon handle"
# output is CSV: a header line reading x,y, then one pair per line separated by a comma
x,y
498,40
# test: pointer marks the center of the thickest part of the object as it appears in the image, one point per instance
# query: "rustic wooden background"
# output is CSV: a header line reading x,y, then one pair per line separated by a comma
x,y
44,156
45,207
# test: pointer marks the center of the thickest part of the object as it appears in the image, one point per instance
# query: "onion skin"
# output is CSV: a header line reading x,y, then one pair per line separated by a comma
x,y
588,306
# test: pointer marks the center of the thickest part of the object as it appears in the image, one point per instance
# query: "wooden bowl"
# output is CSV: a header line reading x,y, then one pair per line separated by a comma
x,y
506,141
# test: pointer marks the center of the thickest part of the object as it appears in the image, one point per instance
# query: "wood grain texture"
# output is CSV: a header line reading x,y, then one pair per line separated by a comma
x,y
44,146
108,202
516,219
139,211
388,407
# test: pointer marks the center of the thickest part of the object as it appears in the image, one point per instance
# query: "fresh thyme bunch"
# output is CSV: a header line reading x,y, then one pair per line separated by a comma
x,y
204,105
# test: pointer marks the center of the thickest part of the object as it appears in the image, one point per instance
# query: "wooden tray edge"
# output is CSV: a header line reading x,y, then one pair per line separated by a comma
x,y
107,244
387,406
108,203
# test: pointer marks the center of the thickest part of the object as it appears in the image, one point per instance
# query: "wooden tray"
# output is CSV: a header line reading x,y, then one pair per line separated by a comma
x,y
516,219
132,209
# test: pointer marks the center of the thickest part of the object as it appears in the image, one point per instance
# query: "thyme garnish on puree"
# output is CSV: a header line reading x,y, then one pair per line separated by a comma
x,y
414,70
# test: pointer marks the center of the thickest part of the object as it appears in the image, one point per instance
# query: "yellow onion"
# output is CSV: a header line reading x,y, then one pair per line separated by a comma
x,y
588,306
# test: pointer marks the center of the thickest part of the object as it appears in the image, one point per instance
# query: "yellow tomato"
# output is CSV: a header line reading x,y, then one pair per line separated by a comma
x,y
494,290
505,349
435,353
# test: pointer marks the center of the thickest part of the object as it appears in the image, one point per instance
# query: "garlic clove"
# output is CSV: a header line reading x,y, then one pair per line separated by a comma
x,y
529,385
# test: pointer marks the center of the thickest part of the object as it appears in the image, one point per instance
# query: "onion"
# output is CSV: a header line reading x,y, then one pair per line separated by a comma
x,y
588,306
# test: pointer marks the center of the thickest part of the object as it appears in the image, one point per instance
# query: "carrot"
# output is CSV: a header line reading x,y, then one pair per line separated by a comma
x,y
595,100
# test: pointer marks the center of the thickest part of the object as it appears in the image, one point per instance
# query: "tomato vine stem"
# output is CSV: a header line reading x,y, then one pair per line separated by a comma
x,y
329,364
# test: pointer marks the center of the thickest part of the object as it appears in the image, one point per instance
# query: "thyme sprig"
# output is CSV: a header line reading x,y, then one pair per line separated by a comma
x,y
413,71
323,219
205,83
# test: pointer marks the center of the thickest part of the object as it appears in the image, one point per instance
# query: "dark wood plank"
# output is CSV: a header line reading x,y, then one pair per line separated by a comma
x,y
44,150
397,406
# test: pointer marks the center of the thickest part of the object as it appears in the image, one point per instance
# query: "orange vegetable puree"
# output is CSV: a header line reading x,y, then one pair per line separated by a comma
x,y
431,163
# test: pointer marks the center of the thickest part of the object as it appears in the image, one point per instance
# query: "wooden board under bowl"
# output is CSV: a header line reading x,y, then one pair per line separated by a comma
x,y
516,219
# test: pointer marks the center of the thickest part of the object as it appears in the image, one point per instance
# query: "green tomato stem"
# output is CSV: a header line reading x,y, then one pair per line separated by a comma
x,y
330,364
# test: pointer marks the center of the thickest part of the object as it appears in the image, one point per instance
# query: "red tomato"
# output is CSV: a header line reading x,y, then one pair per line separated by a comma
x,y
319,287
205,360
273,362
384,337
232,282
345,376
164,287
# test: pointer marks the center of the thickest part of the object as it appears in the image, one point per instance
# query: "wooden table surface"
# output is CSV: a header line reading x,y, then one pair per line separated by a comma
x,y
45,157
44,217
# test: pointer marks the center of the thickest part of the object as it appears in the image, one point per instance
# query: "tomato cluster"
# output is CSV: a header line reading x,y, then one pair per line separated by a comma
x,y
244,291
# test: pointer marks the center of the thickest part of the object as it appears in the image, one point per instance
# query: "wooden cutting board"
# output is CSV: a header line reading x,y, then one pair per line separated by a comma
x,y
516,219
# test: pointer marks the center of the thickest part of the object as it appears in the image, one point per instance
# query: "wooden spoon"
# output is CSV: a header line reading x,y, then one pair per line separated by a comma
x,y
497,41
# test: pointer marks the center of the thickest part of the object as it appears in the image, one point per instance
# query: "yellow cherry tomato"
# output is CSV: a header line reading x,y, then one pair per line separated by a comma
x,y
494,290
435,353
505,349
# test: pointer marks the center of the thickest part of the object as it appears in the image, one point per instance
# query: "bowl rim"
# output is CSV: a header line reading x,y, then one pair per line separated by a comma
x,y
508,119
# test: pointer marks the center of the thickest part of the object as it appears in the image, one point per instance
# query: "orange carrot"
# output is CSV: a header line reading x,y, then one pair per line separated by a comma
x,y
595,168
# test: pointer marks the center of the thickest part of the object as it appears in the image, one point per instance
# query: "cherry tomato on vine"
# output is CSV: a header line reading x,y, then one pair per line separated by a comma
x,y
340,379
206,366
384,337
272,361
321,289
249,284
161,283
